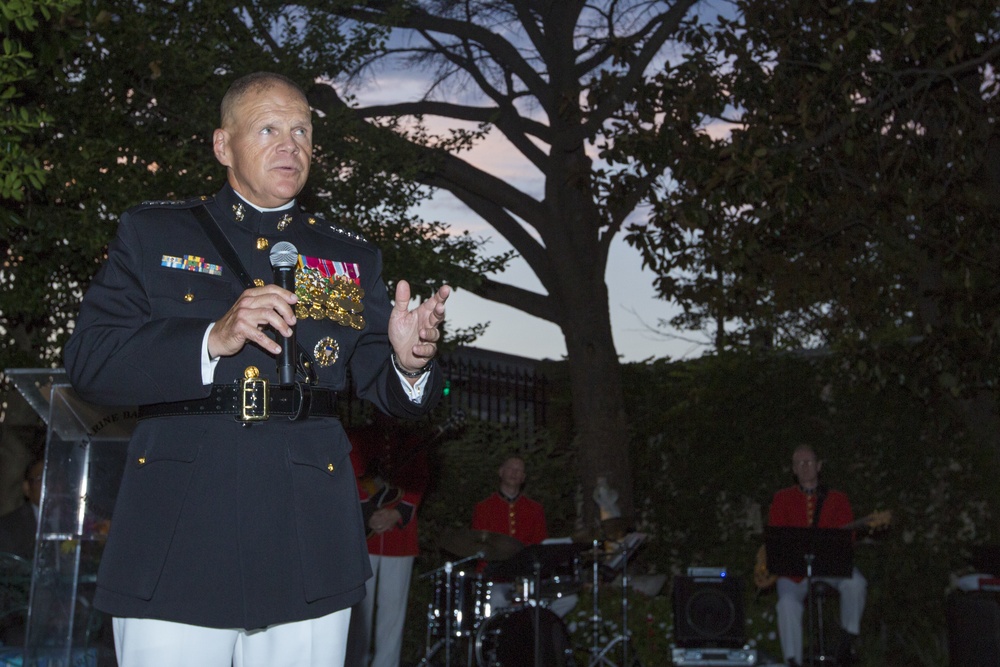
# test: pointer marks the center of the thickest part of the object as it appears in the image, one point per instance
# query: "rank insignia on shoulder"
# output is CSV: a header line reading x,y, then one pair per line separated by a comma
x,y
172,203
348,233
191,263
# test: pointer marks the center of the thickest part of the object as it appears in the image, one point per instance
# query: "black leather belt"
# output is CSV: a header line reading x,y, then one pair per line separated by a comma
x,y
251,401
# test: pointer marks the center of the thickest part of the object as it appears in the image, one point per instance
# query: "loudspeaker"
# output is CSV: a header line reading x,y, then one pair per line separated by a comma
x,y
708,612
973,629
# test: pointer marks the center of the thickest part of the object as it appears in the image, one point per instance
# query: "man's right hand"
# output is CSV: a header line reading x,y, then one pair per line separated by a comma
x,y
256,309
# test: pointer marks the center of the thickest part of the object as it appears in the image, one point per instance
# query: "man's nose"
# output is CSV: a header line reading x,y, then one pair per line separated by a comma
x,y
289,144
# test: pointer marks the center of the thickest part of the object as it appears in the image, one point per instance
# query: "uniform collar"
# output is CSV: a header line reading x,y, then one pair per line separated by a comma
x,y
237,210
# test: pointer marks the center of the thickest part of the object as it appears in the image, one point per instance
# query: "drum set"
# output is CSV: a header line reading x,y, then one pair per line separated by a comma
x,y
506,613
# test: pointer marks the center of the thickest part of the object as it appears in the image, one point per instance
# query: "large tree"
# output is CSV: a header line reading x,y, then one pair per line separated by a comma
x,y
552,78
856,201
130,95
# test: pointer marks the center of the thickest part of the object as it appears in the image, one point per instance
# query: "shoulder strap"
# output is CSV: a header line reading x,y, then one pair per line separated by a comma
x,y
215,234
222,244
820,499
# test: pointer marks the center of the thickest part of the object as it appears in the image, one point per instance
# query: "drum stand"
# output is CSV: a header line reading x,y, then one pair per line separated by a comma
x,y
448,638
599,656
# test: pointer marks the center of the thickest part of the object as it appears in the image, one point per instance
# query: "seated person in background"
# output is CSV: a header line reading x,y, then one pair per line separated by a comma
x,y
17,537
510,512
806,504
18,528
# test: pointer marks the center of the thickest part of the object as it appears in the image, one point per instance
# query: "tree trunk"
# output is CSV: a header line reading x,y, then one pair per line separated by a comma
x,y
601,429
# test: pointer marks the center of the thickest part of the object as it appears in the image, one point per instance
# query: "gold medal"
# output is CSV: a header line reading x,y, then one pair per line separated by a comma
x,y
336,298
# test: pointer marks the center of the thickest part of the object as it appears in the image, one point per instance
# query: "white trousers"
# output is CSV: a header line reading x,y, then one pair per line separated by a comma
x,y
147,642
381,614
791,605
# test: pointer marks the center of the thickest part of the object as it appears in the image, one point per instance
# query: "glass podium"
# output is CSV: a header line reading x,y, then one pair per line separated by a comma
x,y
84,459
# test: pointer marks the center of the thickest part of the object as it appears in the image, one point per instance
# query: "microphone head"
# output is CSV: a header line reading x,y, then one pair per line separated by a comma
x,y
284,255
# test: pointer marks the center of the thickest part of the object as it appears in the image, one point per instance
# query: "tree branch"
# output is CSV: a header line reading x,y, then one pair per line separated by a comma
x,y
541,306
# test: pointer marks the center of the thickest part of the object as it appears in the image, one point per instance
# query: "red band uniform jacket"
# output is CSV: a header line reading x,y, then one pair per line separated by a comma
x,y
790,507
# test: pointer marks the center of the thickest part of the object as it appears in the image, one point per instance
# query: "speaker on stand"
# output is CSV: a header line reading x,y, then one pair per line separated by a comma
x,y
710,620
973,629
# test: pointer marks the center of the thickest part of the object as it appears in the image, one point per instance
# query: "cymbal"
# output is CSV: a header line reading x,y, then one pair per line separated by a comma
x,y
545,559
609,529
494,546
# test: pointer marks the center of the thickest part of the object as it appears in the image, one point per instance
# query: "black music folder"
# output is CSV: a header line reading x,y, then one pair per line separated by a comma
x,y
832,551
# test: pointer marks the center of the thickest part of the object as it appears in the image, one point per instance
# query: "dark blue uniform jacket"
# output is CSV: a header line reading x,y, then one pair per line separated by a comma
x,y
219,524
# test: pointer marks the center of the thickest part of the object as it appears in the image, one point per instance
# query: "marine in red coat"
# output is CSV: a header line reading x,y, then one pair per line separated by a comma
x,y
796,506
508,511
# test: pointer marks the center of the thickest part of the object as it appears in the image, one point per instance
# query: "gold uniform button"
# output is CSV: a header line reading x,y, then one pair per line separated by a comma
x,y
189,297
329,466
142,460
258,282
312,221
261,243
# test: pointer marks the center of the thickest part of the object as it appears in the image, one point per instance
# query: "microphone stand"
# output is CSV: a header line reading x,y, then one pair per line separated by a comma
x,y
538,609
625,635
809,558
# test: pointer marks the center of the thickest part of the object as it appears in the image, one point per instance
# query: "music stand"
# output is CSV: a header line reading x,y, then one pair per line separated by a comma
x,y
789,551
809,553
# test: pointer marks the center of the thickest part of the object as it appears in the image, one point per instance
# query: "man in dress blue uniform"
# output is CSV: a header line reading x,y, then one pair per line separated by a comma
x,y
237,537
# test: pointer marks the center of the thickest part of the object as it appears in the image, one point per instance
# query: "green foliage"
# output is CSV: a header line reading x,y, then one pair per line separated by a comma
x,y
852,201
27,26
720,444
713,441
131,94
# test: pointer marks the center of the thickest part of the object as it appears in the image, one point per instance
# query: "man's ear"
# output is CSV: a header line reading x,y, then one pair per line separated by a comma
x,y
220,146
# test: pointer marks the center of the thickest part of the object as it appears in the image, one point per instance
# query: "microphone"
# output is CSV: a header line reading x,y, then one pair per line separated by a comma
x,y
284,257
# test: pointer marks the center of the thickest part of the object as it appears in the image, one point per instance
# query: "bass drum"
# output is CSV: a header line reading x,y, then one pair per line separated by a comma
x,y
507,639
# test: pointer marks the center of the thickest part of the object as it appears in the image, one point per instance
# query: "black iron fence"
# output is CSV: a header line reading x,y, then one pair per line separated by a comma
x,y
488,386
494,391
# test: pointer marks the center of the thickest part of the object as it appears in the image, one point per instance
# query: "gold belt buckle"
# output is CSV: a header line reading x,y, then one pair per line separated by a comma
x,y
253,396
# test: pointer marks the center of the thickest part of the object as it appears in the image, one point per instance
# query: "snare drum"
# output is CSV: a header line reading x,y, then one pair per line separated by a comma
x,y
468,595
564,580
507,639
